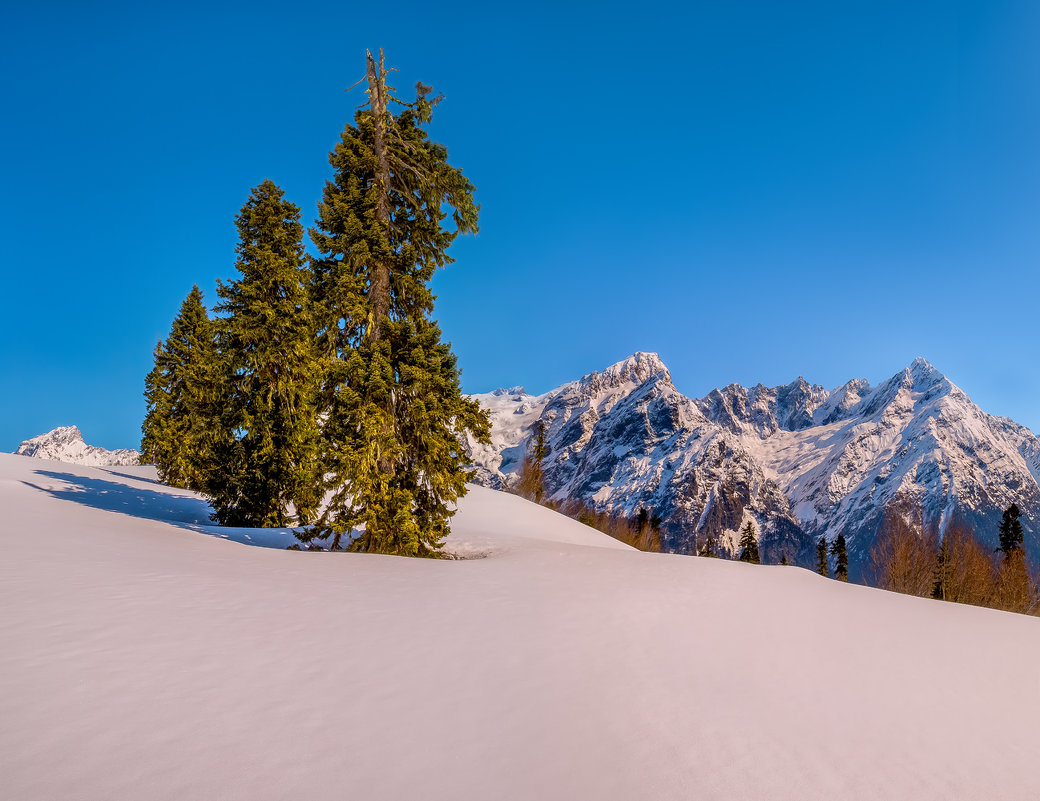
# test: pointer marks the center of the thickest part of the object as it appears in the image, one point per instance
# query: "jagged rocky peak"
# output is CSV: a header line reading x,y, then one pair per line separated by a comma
x,y
797,402
920,382
65,444
635,370
508,391
922,376
842,401
763,409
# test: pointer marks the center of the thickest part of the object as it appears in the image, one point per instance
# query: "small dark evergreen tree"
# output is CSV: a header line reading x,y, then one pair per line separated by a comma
x,y
710,546
270,475
942,570
841,558
1010,531
749,545
783,559
646,528
394,417
532,474
821,557
183,393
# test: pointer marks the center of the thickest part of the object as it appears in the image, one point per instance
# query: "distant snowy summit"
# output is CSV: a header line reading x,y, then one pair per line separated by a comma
x,y
65,444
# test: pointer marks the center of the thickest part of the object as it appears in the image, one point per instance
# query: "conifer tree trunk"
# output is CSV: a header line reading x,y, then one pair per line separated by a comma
x,y
379,292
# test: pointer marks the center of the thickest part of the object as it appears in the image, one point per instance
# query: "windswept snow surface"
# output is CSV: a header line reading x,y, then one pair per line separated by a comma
x,y
144,655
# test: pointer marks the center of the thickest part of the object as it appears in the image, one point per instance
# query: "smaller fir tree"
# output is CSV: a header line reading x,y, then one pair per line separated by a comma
x,y
841,558
749,545
183,395
783,559
821,557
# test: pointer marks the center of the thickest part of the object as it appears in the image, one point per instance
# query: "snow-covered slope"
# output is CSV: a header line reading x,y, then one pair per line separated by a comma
x,y
799,460
65,444
143,655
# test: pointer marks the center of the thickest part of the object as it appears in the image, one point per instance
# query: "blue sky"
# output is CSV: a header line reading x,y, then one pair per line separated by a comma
x,y
756,190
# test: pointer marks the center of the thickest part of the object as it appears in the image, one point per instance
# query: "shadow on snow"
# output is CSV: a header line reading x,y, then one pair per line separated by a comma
x,y
148,504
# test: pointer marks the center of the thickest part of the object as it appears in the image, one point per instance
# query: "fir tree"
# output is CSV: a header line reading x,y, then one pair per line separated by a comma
x,y
942,570
183,396
646,530
394,415
783,559
267,339
821,557
532,476
841,558
749,544
1010,531
710,547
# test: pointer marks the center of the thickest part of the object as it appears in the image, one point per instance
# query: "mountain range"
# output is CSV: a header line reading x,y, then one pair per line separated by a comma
x,y
798,460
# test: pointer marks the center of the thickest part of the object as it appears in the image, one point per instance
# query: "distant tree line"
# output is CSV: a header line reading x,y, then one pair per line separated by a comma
x,y
955,566
321,394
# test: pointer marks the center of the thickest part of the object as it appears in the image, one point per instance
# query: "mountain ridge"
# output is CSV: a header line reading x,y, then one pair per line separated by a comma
x,y
66,444
798,460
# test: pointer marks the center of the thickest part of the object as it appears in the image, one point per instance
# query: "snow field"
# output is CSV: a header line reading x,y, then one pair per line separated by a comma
x,y
144,655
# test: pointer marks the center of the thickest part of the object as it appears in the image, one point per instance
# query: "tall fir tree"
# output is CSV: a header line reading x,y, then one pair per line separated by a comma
x,y
821,557
266,336
183,396
393,410
1010,531
749,544
841,558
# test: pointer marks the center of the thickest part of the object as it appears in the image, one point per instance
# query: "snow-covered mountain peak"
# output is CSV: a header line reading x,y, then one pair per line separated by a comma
x,y
922,376
636,369
65,444
508,391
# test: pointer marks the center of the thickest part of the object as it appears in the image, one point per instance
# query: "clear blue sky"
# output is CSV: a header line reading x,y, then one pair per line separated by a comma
x,y
756,190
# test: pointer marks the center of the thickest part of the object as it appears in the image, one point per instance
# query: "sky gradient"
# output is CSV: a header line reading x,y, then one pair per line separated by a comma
x,y
755,190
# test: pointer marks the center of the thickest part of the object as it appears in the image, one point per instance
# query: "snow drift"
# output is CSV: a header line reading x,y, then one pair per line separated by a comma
x,y
147,654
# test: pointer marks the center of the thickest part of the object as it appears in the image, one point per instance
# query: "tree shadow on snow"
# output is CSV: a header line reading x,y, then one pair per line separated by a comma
x,y
145,479
113,496
179,510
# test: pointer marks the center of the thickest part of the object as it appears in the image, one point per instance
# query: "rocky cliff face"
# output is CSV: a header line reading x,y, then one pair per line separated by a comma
x,y
798,460
66,444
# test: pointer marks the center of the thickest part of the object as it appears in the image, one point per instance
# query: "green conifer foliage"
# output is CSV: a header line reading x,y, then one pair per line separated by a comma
x,y
267,340
749,544
841,558
183,396
1010,531
783,559
821,557
395,418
